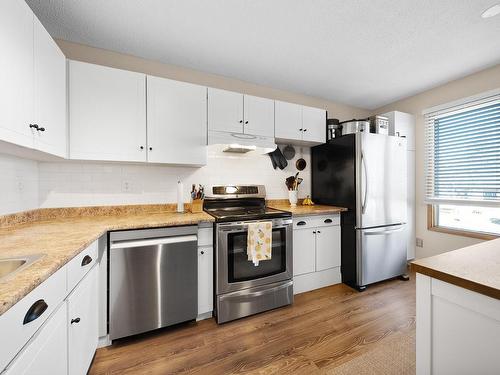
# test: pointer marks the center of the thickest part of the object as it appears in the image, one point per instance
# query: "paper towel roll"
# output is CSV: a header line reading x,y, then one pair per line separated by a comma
x,y
180,198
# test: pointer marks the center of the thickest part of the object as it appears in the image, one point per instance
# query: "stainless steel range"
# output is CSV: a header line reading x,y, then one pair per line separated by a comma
x,y
241,288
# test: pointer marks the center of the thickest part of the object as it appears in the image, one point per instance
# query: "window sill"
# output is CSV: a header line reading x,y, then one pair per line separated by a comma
x,y
463,233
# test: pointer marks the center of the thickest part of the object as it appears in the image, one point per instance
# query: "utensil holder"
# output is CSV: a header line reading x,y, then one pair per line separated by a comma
x,y
196,205
293,197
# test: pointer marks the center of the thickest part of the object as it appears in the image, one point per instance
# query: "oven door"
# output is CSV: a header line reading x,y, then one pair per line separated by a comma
x,y
233,269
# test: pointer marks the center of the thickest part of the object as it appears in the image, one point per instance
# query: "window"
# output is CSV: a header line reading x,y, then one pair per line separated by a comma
x,y
463,165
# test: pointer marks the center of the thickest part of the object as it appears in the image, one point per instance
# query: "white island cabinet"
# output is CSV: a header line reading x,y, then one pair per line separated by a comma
x,y
458,311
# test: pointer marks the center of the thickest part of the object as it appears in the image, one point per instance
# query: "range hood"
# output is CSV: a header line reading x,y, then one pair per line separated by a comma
x,y
241,143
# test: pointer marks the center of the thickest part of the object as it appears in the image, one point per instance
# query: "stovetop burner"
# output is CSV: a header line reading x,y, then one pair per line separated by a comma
x,y
238,203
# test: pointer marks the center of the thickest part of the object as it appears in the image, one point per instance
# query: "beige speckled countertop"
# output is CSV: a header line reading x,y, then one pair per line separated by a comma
x,y
59,235
475,267
300,210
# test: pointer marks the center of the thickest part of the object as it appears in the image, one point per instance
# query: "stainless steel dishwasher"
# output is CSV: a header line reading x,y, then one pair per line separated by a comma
x,y
153,279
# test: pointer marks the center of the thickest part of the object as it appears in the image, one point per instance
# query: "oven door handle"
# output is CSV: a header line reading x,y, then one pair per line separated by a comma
x,y
244,295
243,228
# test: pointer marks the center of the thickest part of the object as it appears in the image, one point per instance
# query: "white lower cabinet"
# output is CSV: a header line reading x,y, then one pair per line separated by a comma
x,y
83,324
304,249
316,252
205,280
54,329
46,352
327,247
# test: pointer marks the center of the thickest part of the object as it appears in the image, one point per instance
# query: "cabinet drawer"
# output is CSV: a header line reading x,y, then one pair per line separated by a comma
x,y
81,264
205,236
315,221
42,301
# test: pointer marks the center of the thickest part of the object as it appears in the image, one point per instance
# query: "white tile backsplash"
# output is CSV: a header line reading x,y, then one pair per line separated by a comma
x,y
72,183
18,184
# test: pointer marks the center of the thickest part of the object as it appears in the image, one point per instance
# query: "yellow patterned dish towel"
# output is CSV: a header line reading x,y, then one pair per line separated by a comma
x,y
259,241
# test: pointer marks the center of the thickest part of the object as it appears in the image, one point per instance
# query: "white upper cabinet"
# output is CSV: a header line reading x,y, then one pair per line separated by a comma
x,y
50,94
300,124
33,82
232,112
288,123
16,72
313,124
225,111
107,113
258,116
176,122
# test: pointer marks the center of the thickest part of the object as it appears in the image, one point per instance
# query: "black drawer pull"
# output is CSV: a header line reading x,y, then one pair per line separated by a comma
x,y
77,320
86,260
328,221
35,311
301,223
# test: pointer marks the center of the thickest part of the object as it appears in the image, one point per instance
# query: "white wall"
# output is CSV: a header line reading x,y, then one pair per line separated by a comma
x,y
18,184
71,183
489,79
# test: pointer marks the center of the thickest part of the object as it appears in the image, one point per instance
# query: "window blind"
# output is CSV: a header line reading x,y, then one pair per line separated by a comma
x,y
463,153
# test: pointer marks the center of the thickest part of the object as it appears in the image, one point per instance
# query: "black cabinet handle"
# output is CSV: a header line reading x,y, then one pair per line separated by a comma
x,y
241,121
76,320
142,147
301,223
246,122
42,129
34,126
328,221
319,231
314,231
202,252
35,311
86,260
151,149
301,129
305,130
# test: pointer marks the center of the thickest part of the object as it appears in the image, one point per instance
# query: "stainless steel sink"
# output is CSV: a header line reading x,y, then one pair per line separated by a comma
x,y
9,266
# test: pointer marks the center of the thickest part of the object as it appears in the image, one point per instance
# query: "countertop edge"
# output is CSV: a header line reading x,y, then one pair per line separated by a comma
x,y
457,280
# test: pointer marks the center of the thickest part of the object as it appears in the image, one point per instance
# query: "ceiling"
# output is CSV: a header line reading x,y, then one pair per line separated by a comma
x,y
366,53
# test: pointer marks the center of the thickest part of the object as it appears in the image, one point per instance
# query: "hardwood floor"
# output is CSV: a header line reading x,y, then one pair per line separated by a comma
x,y
321,330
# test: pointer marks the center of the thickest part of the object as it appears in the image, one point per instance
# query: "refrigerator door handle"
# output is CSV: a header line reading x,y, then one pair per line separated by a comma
x,y
379,232
365,180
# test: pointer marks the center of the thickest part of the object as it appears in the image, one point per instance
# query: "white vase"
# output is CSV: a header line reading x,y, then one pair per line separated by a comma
x,y
293,197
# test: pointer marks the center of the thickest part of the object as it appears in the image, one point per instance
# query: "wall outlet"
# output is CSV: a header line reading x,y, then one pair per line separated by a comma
x,y
126,186
420,242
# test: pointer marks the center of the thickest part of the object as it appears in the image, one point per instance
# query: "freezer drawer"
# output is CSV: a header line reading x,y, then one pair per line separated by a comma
x,y
381,253
153,281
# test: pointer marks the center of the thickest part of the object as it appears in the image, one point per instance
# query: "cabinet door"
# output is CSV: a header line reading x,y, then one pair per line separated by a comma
x,y
205,279
288,121
410,211
46,352
16,72
304,256
314,125
327,247
258,116
225,111
177,122
50,93
107,113
83,324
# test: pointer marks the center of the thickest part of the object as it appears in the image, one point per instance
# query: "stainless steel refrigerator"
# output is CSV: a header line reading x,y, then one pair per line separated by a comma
x,y
365,173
